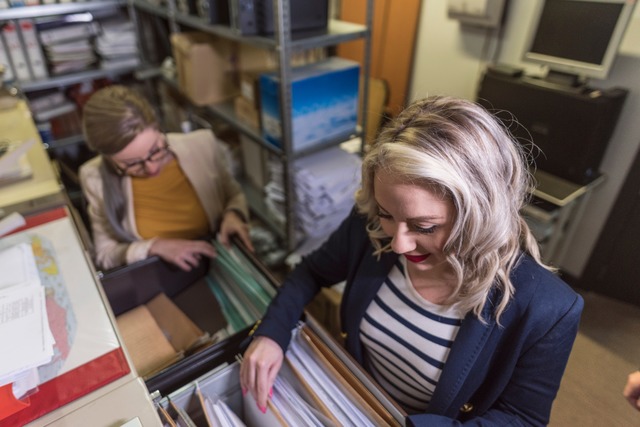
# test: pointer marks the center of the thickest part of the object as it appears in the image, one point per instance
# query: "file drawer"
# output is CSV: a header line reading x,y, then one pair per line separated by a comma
x,y
204,299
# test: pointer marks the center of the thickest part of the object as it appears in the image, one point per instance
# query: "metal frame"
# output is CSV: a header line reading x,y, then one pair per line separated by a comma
x,y
283,42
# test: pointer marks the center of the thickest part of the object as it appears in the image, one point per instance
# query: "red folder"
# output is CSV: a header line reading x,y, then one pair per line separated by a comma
x,y
69,386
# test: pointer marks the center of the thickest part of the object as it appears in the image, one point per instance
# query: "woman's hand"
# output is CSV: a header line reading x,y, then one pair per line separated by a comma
x,y
260,365
186,254
632,389
232,224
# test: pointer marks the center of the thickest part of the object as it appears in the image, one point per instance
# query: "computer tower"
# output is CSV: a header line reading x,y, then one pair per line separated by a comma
x,y
255,17
571,126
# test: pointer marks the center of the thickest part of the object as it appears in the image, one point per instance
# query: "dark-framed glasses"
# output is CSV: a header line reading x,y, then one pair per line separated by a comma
x,y
138,167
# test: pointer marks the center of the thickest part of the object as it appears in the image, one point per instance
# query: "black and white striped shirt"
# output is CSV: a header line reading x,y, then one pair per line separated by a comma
x,y
407,340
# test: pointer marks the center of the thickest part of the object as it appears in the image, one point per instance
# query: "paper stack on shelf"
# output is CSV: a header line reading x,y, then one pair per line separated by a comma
x,y
14,164
116,45
27,341
71,56
67,42
325,184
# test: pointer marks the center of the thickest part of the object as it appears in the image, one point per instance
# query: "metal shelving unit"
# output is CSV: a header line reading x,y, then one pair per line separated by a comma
x,y
64,80
72,78
284,43
59,9
67,152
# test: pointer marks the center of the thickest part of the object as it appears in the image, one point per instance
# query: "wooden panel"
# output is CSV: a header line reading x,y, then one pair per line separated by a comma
x,y
392,44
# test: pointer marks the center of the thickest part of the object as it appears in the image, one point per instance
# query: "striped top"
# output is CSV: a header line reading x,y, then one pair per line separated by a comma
x,y
407,340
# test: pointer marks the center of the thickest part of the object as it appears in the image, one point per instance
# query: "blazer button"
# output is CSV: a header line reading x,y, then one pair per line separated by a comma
x,y
467,407
343,335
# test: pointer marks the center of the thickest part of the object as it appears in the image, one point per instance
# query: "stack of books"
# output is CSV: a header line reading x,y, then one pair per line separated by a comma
x,y
116,45
67,42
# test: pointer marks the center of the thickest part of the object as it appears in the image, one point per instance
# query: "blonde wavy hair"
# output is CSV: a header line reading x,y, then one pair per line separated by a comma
x,y
457,148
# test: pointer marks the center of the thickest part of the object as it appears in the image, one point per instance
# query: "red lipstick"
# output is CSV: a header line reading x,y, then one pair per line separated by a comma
x,y
416,258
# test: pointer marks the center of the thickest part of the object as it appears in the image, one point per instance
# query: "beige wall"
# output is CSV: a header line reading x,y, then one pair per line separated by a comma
x,y
450,58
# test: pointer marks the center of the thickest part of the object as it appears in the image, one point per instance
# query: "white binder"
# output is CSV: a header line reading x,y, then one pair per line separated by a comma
x,y
17,53
33,50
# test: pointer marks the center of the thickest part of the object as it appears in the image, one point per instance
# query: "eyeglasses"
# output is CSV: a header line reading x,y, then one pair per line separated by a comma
x,y
138,167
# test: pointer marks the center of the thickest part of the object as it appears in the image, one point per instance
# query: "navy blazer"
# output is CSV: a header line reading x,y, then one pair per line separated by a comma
x,y
498,375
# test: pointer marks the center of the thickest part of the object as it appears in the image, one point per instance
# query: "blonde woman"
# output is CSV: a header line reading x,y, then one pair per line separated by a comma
x,y
151,193
447,303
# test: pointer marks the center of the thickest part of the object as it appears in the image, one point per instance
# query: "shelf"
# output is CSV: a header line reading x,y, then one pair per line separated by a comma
x,y
559,191
225,111
284,43
64,142
337,31
69,79
58,9
258,207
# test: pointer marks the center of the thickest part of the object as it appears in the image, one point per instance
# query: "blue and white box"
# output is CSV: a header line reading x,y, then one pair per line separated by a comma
x,y
324,101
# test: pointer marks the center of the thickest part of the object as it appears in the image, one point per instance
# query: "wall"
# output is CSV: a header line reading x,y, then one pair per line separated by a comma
x,y
450,58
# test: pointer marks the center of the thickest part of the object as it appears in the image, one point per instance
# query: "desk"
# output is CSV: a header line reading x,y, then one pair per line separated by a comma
x,y
555,219
90,369
43,189
91,380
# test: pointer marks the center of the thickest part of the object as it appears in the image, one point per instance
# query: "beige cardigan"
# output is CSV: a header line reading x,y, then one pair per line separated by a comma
x,y
202,160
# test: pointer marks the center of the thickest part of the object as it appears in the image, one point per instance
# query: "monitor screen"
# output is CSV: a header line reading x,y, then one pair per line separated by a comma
x,y
579,37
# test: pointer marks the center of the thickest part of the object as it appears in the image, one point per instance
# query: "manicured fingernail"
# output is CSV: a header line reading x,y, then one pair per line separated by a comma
x,y
263,409
244,391
271,392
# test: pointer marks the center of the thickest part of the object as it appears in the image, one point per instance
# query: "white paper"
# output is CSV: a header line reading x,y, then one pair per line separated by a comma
x,y
26,339
18,266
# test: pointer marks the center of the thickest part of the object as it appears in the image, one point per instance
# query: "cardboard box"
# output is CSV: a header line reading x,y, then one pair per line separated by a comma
x,y
206,67
250,86
158,334
252,58
246,112
325,307
254,161
324,100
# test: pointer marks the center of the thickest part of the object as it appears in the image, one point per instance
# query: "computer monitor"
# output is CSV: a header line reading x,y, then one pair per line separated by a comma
x,y
578,38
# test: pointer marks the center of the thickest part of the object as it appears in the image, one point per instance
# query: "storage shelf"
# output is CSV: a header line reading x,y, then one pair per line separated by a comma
x,y
58,9
337,31
64,142
68,79
259,208
284,43
225,111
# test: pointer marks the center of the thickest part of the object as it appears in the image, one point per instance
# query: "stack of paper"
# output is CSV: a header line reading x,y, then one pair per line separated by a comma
x,y
325,184
67,44
117,45
14,164
27,341
334,396
71,56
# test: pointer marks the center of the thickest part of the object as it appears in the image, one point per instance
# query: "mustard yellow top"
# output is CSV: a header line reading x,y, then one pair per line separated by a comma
x,y
167,206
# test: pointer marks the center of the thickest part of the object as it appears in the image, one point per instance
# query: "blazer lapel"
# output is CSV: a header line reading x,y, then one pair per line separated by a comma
x,y
469,343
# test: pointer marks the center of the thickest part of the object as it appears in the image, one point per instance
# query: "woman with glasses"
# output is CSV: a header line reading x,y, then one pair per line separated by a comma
x,y
151,193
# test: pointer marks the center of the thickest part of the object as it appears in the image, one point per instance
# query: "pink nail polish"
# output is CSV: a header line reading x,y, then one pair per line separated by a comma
x,y
271,392
263,409
244,391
